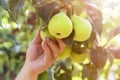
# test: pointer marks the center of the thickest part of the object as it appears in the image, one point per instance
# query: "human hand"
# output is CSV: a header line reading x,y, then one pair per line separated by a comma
x,y
41,54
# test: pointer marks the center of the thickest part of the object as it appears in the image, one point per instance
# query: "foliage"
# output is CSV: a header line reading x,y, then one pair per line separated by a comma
x,y
18,25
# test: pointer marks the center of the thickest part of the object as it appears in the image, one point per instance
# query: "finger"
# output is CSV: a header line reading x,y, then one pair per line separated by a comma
x,y
49,58
37,39
46,59
61,45
53,46
47,51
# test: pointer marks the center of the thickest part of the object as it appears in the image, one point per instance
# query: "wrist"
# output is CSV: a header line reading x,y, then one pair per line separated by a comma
x,y
26,74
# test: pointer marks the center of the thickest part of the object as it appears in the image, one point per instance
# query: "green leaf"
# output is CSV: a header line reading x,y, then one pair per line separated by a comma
x,y
7,75
15,7
1,69
61,71
2,60
43,76
3,3
0,16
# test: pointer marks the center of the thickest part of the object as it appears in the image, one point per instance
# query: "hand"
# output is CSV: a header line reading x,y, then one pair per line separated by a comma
x,y
40,56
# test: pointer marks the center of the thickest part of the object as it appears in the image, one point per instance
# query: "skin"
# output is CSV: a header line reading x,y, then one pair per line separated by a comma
x,y
41,54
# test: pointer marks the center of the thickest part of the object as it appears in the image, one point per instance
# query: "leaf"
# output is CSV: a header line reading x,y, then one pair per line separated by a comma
x,y
3,3
7,75
6,36
114,32
31,19
12,64
73,6
0,16
47,11
98,57
65,1
110,58
113,46
90,72
93,40
36,1
77,47
43,76
78,5
15,7
1,69
39,2
95,17
61,66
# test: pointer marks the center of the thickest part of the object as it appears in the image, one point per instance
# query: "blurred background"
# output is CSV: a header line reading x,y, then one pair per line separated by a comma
x,y
19,22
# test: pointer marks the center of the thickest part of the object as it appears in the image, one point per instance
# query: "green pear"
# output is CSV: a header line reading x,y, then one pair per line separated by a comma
x,y
83,14
82,28
60,25
65,54
45,33
79,58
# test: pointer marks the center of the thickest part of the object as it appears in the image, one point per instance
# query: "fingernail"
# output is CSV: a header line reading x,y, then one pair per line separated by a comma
x,y
47,39
45,45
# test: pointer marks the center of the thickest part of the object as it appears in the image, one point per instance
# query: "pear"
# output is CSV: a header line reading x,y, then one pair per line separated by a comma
x,y
45,33
65,54
83,14
60,25
82,28
78,57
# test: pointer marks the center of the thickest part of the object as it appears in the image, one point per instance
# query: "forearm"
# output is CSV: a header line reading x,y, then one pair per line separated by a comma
x,y
25,75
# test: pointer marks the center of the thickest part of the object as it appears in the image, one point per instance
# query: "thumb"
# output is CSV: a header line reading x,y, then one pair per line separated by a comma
x,y
37,39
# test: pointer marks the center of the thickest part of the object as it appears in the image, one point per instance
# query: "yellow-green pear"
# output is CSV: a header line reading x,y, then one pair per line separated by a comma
x,y
79,58
83,14
60,25
65,54
82,28
45,33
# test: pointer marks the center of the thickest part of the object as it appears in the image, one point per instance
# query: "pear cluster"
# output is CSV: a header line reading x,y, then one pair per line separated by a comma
x,y
61,26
